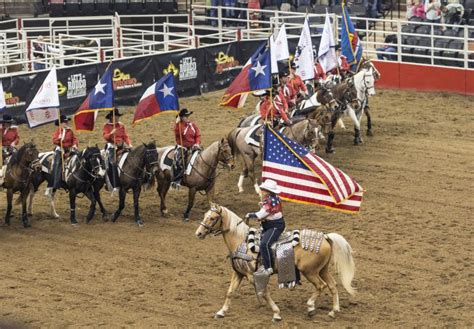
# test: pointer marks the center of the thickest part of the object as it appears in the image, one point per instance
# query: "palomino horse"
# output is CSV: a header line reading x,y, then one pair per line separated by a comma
x,y
202,176
138,169
314,266
323,98
18,178
304,132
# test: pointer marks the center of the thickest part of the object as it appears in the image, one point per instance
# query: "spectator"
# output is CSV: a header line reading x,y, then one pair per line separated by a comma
x,y
410,9
388,51
242,14
228,11
419,10
433,13
40,50
452,14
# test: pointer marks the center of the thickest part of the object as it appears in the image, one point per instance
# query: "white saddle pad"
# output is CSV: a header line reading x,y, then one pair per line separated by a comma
x,y
191,163
122,161
250,137
163,165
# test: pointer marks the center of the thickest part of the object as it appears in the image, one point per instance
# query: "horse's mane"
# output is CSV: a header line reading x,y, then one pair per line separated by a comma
x,y
17,156
240,230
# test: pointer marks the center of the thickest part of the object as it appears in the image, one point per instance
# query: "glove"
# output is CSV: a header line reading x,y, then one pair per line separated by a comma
x,y
196,147
288,122
250,215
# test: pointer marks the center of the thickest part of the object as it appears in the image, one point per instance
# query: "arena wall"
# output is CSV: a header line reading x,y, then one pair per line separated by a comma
x,y
425,78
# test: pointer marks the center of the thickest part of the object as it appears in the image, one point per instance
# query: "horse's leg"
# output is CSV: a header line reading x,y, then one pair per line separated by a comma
x,y
210,194
30,201
105,214
90,195
275,309
9,205
136,205
369,121
24,213
191,195
341,124
250,164
319,284
163,188
72,206
332,285
245,173
355,120
53,212
235,281
122,194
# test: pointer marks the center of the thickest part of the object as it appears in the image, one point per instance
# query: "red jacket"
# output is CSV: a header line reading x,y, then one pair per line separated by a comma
x,y
319,72
298,84
343,65
120,136
269,110
10,136
187,134
290,93
69,138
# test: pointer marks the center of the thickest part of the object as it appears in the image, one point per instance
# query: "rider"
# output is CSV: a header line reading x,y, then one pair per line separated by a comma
x,y
342,65
288,91
274,109
296,81
63,138
271,218
188,138
10,139
319,74
117,139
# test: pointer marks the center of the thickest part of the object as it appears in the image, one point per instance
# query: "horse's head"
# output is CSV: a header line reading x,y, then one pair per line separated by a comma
x,y
212,222
326,97
93,161
350,93
225,154
151,157
311,134
369,81
27,155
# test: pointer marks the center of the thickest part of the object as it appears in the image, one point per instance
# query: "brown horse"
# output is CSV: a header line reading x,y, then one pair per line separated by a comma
x,y
304,132
18,178
202,176
314,266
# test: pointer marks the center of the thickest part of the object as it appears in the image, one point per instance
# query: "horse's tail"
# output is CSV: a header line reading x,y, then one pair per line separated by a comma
x,y
342,256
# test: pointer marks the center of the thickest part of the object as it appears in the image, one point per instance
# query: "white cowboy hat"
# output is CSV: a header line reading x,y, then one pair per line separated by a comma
x,y
271,186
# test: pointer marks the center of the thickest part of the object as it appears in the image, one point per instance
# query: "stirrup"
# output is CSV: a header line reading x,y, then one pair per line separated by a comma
x,y
175,185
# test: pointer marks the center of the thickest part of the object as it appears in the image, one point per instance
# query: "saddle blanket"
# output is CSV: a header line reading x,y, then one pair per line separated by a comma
x,y
191,163
255,120
252,138
44,160
165,162
122,161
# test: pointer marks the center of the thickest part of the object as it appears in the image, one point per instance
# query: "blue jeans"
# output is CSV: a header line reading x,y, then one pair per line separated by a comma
x,y
271,232
389,57
39,66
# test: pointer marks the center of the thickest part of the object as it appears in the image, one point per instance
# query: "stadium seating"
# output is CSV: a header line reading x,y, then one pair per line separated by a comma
x,y
423,42
152,7
136,7
88,8
169,6
121,7
454,46
440,43
56,8
103,7
72,8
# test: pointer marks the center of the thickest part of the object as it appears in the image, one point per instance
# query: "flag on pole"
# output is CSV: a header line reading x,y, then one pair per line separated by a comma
x,y
158,98
306,178
279,48
327,47
44,106
99,98
304,58
350,43
3,103
255,75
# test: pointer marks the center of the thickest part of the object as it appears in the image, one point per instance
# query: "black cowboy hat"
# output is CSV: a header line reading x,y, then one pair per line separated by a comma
x,y
62,118
116,111
283,74
7,118
185,113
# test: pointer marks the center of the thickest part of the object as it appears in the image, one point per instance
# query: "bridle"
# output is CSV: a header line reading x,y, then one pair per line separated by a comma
x,y
93,173
149,164
210,228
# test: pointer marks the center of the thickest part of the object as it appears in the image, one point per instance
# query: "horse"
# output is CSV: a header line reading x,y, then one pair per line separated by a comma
x,y
323,98
314,266
18,177
84,174
368,64
304,132
139,168
202,176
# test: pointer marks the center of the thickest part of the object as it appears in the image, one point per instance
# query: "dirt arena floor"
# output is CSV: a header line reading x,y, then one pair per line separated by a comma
x,y
413,239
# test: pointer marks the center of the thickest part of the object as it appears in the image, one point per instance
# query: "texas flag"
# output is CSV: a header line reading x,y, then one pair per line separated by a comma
x,y
255,75
159,97
99,98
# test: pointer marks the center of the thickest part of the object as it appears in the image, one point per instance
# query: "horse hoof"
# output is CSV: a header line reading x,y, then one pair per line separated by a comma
x,y
76,224
332,314
330,151
370,133
186,219
140,223
276,318
26,224
311,313
219,315
164,212
29,214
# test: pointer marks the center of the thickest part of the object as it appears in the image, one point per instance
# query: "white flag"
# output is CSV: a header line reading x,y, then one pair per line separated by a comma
x,y
43,107
3,104
279,48
304,59
327,52
273,60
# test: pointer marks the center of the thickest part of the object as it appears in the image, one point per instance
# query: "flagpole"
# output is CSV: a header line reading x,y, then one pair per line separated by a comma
x,y
181,141
61,141
113,128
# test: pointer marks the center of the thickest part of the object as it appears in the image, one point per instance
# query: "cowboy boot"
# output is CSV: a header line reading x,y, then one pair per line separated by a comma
x,y
329,148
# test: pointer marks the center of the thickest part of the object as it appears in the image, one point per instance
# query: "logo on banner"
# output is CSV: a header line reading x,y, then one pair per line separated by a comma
x,y
13,101
171,68
76,86
187,68
225,63
61,88
124,81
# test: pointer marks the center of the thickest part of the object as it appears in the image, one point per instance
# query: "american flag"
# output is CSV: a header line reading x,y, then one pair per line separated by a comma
x,y
306,178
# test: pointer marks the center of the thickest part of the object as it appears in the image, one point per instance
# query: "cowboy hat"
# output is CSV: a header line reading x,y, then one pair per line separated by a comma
x,y
185,113
283,74
260,93
62,118
116,111
7,118
270,186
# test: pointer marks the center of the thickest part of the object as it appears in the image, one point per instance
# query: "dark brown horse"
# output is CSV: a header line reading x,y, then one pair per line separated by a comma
x,y
138,169
18,178
202,176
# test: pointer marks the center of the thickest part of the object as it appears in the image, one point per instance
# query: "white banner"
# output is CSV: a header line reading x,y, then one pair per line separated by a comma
x,y
281,45
327,51
43,107
3,104
304,59
273,60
